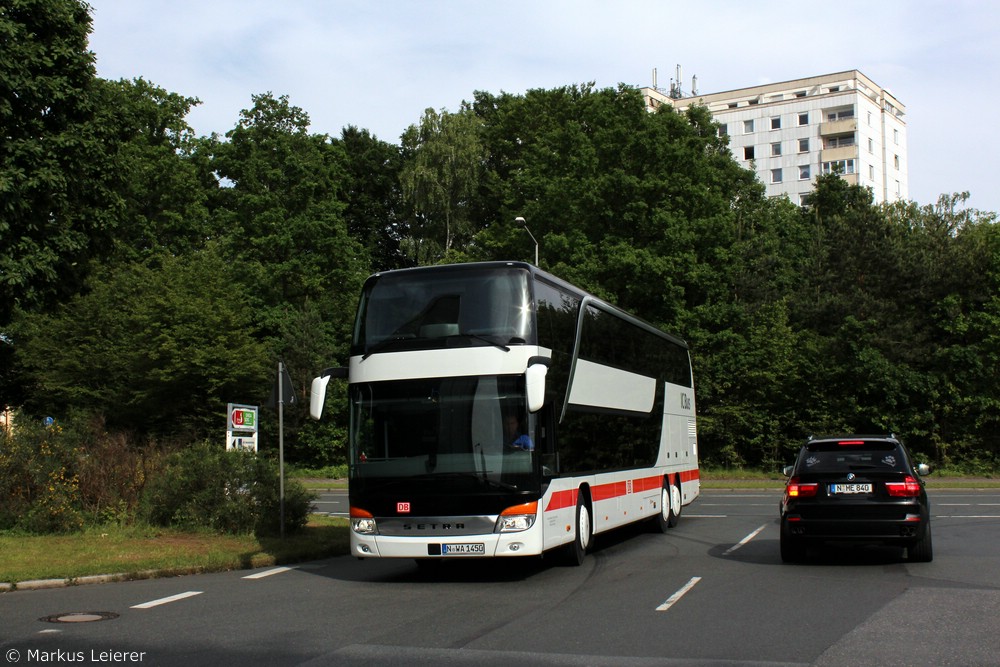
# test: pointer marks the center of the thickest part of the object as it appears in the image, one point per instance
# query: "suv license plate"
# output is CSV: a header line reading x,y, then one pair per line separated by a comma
x,y
474,549
850,488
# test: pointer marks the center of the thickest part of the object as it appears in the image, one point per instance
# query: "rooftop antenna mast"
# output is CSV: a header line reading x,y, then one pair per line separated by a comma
x,y
675,86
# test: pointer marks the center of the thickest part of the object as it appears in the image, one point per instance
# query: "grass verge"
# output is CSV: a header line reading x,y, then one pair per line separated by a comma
x,y
144,552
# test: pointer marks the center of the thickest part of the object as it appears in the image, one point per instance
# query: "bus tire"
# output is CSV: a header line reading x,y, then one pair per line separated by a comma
x,y
661,522
676,504
582,533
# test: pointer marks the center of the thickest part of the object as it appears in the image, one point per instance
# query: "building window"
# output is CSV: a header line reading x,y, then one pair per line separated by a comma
x,y
748,152
871,145
801,93
776,176
723,130
804,118
804,172
733,105
898,190
803,145
844,166
840,114
748,126
754,101
895,161
869,119
871,172
776,149
839,141
834,89
895,137
776,123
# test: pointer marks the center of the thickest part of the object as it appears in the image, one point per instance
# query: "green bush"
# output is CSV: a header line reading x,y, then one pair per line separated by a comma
x,y
39,482
203,486
58,478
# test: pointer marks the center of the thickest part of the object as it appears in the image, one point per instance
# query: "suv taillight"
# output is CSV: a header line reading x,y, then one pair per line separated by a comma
x,y
797,489
908,488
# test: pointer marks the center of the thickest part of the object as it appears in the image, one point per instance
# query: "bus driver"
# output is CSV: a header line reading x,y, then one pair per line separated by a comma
x,y
514,436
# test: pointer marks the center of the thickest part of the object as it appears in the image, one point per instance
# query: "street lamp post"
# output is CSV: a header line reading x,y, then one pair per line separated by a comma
x,y
519,220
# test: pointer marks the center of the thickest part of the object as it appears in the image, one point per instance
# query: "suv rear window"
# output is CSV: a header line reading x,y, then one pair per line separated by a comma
x,y
831,456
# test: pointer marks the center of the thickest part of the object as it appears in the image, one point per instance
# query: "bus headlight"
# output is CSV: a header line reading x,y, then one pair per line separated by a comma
x,y
515,523
363,522
517,518
364,526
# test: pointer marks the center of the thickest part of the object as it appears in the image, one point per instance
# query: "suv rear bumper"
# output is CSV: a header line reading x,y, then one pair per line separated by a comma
x,y
895,532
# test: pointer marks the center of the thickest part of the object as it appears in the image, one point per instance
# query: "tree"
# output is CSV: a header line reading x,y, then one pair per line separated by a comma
x,y
58,168
281,218
375,211
154,350
444,159
281,215
166,184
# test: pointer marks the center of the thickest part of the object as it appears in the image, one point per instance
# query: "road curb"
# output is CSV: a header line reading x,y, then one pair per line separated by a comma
x,y
41,584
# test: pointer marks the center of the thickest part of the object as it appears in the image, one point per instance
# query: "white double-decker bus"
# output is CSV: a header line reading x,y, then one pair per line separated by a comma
x,y
496,410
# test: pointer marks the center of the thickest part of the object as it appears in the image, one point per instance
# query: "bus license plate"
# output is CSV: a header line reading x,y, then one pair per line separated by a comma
x,y
850,488
475,549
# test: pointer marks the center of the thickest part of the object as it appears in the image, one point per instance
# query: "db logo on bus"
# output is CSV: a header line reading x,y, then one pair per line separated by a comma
x,y
402,508
685,402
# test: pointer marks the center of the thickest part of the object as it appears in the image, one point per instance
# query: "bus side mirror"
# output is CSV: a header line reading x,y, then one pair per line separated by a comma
x,y
534,382
317,392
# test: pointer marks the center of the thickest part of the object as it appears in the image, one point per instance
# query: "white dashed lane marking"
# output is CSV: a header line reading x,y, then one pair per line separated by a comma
x,y
167,600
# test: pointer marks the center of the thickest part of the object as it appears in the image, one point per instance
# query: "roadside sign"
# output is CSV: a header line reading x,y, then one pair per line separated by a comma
x,y
241,427
242,417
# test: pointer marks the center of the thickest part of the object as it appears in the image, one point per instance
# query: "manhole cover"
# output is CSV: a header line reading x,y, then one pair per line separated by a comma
x,y
80,617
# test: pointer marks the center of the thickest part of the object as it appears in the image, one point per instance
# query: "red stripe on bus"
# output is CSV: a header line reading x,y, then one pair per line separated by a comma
x,y
689,475
563,499
647,483
607,491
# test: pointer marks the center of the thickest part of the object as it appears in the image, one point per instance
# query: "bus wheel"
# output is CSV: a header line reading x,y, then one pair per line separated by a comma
x,y
674,512
661,522
581,541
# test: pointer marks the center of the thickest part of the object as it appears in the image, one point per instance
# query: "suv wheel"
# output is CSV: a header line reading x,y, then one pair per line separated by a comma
x,y
923,550
792,549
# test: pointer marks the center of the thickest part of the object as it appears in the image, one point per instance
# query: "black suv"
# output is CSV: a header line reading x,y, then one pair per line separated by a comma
x,y
855,488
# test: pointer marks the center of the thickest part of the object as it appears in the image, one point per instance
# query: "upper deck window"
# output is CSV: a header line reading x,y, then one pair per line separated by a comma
x,y
434,308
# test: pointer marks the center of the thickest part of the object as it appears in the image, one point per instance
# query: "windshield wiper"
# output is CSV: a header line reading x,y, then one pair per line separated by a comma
x,y
386,342
474,336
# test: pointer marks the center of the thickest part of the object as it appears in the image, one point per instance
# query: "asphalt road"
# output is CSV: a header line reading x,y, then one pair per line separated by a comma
x,y
713,591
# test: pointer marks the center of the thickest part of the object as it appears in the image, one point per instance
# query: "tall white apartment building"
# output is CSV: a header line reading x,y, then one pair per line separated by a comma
x,y
790,132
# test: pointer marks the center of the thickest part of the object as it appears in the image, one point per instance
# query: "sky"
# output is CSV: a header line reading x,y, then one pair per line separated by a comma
x,y
378,65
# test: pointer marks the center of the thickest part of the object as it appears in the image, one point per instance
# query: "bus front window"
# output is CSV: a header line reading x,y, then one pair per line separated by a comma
x,y
460,431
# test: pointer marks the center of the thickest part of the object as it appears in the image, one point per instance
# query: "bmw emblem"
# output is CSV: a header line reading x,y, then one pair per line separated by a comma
x,y
850,476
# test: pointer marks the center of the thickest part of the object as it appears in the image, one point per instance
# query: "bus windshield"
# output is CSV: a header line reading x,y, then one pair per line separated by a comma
x,y
405,310
459,432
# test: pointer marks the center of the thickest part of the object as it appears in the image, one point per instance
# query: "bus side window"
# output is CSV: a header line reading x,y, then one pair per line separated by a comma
x,y
545,448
